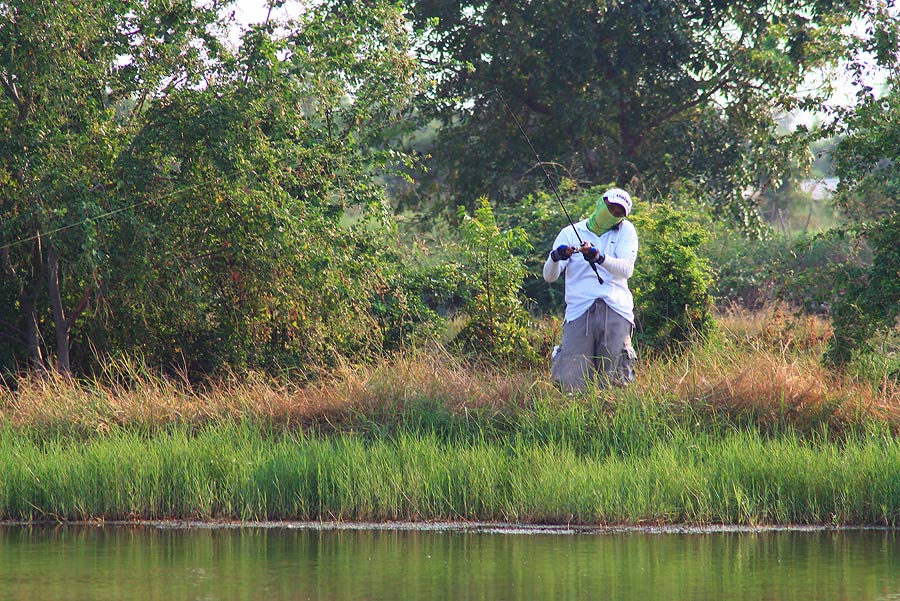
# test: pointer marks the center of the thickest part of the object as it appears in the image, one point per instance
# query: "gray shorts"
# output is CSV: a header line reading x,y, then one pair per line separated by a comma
x,y
595,347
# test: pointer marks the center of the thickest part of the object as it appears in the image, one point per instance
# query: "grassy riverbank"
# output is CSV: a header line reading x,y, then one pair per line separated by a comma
x,y
669,475
745,429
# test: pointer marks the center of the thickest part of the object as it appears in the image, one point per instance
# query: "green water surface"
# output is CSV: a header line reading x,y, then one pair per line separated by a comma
x,y
270,564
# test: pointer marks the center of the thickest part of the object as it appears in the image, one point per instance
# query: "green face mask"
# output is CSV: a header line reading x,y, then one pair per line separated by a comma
x,y
601,219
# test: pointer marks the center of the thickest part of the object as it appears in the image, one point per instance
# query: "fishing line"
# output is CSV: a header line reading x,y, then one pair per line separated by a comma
x,y
547,175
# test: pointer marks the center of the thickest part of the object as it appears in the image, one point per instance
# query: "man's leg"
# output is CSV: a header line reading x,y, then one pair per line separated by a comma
x,y
612,335
573,365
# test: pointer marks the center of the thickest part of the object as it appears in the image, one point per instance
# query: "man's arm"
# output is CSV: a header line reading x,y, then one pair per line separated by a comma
x,y
620,268
553,269
558,258
622,265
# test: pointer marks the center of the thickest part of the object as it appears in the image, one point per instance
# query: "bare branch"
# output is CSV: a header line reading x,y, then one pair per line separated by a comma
x,y
78,310
11,91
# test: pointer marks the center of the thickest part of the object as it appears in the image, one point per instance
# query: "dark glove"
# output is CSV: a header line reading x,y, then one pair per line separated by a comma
x,y
593,255
563,251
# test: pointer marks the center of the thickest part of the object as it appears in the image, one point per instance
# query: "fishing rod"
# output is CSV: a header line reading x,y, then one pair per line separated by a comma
x,y
549,179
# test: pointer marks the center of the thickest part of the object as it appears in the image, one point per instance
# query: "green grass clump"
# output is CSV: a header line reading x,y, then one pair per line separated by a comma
x,y
474,471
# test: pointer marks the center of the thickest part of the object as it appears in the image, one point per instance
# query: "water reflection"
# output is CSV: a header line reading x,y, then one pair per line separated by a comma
x,y
280,563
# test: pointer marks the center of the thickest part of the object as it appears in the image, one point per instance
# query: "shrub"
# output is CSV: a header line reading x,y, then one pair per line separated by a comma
x,y
867,160
671,280
869,301
801,270
497,323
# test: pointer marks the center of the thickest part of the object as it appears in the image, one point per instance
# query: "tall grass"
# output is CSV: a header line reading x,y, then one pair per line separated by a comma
x,y
240,472
760,368
746,427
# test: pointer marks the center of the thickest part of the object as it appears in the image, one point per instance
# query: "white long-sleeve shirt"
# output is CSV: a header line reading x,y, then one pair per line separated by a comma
x,y
620,245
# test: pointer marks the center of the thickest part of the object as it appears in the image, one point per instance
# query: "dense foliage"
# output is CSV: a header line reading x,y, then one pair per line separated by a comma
x,y
170,195
207,207
272,245
69,73
868,161
647,94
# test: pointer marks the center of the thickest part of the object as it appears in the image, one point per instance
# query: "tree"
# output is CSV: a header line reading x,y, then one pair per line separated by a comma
x,y
264,240
645,93
867,161
190,203
65,69
497,321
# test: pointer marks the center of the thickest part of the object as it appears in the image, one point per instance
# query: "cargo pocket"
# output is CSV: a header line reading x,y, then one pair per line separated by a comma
x,y
625,368
554,360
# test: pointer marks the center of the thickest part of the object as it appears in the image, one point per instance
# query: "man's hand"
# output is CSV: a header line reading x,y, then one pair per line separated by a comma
x,y
592,254
562,252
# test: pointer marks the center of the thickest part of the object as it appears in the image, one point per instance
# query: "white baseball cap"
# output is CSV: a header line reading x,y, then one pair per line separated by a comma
x,y
618,196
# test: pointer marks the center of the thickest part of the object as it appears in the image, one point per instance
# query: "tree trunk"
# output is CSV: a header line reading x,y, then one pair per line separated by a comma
x,y
62,325
33,335
29,307
27,295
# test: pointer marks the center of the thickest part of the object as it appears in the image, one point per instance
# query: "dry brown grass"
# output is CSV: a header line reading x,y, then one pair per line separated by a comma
x,y
762,366
381,391
777,329
767,367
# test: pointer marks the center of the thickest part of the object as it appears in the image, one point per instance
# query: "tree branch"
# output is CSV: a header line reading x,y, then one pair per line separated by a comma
x,y
662,118
12,92
538,107
78,310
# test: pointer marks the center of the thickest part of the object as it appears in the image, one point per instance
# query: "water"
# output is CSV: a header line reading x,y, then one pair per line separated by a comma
x,y
271,564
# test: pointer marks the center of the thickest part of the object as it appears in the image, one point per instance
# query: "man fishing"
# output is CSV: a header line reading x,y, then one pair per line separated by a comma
x,y
599,320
